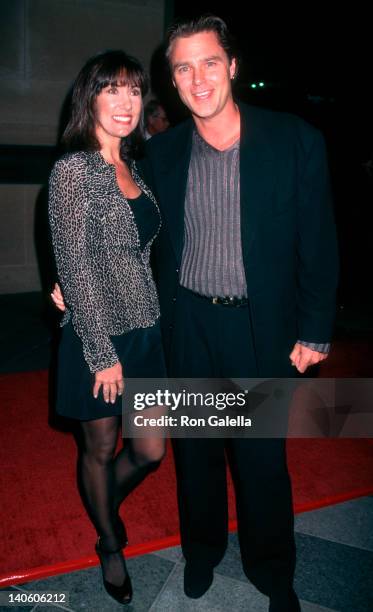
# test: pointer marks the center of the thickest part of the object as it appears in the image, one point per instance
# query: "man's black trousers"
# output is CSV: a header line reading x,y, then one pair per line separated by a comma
x,y
216,341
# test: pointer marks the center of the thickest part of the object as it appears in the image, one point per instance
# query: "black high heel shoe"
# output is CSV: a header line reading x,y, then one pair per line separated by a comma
x,y
122,593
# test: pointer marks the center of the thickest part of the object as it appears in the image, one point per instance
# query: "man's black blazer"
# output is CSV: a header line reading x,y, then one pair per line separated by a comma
x,y
287,228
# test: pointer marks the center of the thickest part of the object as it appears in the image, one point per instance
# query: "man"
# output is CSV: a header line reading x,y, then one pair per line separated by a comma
x,y
155,117
246,267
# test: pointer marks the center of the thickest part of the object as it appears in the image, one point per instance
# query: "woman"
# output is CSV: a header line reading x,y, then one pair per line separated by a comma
x,y
103,220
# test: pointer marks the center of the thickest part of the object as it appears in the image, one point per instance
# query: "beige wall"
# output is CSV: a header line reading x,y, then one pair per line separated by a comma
x,y
43,44
18,264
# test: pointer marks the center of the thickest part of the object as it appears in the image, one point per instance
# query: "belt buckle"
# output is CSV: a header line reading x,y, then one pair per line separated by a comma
x,y
215,300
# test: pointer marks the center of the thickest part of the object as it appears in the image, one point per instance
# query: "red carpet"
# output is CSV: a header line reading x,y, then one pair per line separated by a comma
x,y
44,529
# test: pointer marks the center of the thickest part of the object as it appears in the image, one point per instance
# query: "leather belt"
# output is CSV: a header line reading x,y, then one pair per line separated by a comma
x,y
223,301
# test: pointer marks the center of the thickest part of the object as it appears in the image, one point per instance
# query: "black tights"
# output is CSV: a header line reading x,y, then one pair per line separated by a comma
x,y
107,478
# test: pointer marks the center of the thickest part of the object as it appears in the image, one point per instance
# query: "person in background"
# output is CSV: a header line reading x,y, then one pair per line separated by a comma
x,y
103,220
155,117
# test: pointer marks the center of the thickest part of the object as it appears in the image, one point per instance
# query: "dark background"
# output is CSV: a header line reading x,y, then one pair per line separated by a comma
x,y
315,62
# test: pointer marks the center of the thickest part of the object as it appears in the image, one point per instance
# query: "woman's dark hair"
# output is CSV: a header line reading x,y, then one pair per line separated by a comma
x,y
183,28
109,68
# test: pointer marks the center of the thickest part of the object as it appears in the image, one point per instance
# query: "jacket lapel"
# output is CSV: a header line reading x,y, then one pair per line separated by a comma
x,y
256,177
173,187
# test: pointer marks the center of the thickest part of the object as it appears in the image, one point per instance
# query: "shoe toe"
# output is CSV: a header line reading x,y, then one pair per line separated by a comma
x,y
197,580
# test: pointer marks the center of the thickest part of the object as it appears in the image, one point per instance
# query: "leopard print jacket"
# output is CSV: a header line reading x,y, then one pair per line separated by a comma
x,y
105,277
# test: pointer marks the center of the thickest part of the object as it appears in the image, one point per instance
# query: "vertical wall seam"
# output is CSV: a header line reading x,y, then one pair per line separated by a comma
x,y
24,39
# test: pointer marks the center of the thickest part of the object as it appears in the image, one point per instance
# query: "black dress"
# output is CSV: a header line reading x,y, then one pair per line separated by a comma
x,y
140,350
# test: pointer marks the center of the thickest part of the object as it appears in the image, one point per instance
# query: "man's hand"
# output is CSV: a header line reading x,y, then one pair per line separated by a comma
x,y
112,383
302,357
57,297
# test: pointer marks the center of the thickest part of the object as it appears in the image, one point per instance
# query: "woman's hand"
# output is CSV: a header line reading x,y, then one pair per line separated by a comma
x,y
57,298
112,383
